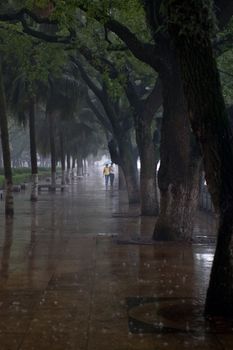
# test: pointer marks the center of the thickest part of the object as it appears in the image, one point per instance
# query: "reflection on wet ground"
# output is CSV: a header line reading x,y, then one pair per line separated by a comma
x,y
66,282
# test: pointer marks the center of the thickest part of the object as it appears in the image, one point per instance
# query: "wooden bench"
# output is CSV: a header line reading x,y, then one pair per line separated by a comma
x,y
49,187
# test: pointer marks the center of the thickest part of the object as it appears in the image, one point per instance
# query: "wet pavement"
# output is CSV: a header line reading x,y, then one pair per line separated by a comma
x,y
68,281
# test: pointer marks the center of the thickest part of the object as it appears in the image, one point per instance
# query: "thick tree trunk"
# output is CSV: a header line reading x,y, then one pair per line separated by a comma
x,y
85,166
33,151
68,168
211,126
121,179
144,113
52,150
63,161
1,160
6,249
79,165
148,186
178,176
129,168
73,167
9,203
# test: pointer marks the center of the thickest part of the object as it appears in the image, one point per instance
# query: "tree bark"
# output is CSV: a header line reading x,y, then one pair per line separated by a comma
x,y
180,160
79,165
73,166
148,178
211,127
121,179
68,168
129,168
33,151
63,161
1,160
144,113
52,149
9,202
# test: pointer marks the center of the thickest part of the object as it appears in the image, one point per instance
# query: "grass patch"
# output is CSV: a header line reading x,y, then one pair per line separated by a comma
x,y
22,175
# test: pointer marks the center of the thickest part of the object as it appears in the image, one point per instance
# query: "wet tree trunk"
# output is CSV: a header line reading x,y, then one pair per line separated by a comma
x,y
121,179
68,168
178,176
52,150
9,203
129,168
1,161
144,113
211,127
63,161
6,249
148,192
33,151
79,165
73,166
85,166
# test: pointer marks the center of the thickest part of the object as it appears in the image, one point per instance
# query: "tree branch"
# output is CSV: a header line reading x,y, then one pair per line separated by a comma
x,y
103,121
46,37
110,113
145,52
153,102
20,15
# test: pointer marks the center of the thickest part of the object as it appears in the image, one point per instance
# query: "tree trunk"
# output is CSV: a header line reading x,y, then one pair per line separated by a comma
x,y
180,162
121,179
79,165
63,161
73,167
148,186
211,126
9,202
129,168
52,150
85,166
6,249
1,161
68,168
144,114
33,151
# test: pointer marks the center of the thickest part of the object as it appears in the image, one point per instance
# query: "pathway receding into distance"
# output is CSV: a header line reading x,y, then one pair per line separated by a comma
x,y
69,279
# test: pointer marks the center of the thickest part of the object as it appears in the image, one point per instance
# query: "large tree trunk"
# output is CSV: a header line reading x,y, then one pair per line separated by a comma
x,y
148,186
211,126
68,168
63,161
52,149
79,165
178,176
6,248
129,168
73,166
144,113
1,160
33,151
121,179
9,203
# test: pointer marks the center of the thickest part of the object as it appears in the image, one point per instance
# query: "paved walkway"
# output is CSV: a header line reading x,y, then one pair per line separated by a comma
x,y
66,283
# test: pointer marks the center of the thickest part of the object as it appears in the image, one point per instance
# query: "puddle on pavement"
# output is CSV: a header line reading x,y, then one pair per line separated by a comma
x,y
172,315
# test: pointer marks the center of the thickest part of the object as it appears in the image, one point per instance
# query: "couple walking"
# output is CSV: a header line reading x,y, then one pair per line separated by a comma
x,y
108,173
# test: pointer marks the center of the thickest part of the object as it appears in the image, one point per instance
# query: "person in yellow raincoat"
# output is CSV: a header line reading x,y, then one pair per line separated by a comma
x,y
106,174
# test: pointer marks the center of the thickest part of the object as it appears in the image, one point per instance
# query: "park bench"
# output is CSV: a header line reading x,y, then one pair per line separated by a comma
x,y
49,187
